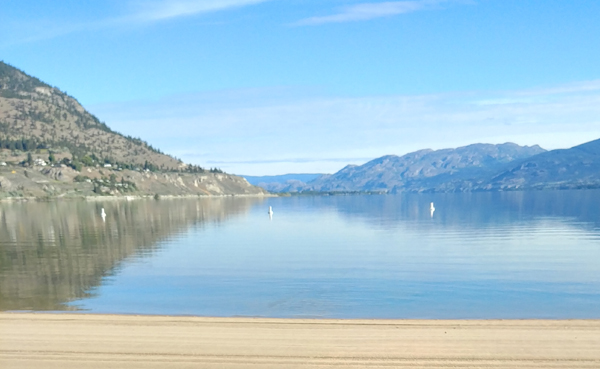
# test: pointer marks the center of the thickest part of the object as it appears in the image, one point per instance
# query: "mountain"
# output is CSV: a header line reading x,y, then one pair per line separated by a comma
x,y
478,167
425,169
293,182
577,167
50,146
47,117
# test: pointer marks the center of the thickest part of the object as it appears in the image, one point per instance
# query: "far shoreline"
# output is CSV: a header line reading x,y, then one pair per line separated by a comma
x,y
274,195
131,198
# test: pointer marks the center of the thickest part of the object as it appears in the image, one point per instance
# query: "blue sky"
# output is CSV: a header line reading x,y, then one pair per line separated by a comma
x,y
278,86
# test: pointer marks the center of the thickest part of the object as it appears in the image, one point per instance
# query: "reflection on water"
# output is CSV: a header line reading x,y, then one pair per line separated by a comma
x,y
480,255
464,209
56,252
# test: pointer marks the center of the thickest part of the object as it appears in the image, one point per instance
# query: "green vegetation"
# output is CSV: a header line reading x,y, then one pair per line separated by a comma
x,y
80,178
104,185
76,165
8,82
23,144
87,161
11,94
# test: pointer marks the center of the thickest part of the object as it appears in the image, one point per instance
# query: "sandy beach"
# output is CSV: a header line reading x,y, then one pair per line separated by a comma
x,y
115,341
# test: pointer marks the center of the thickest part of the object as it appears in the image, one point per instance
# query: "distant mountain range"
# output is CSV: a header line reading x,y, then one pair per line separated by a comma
x,y
283,183
50,146
477,167
577,167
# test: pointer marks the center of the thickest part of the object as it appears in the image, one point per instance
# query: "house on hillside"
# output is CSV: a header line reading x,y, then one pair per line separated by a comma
x,y
39,162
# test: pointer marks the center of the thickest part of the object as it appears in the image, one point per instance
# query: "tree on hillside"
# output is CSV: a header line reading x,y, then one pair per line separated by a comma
x,y
87,161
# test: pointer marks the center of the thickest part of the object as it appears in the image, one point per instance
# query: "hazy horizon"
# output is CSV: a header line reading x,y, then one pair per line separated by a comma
x,y
268,87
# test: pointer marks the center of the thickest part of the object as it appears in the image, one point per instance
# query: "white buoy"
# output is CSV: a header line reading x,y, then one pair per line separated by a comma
x,y
103,214
431,209
270,212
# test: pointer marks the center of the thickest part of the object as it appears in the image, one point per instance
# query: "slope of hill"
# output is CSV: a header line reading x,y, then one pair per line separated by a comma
x,y
577,167
424,169
50,146
39,115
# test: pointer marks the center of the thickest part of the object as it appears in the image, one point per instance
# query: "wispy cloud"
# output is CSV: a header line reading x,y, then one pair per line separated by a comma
x,y
261,132
150,11
137,13
367,11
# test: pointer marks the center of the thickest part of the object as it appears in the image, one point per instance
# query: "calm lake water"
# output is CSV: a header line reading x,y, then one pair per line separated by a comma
x,y
482,255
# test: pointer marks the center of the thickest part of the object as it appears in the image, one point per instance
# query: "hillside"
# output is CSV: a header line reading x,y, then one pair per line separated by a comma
x,y
50,146
478,167
424,169
36,115
577,167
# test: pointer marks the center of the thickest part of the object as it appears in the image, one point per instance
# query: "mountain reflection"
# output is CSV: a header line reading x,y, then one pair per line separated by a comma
x,y
53,253
467,209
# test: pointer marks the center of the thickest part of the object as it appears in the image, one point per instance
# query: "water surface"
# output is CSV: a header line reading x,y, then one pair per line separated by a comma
x,y
481,255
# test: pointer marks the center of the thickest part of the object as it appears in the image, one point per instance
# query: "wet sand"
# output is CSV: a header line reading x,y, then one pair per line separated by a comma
x,y
119,341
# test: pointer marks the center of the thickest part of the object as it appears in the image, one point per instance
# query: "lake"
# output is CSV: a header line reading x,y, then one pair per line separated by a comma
x,y
480,255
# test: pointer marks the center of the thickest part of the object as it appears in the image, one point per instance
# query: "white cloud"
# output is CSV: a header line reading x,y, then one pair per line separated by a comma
x,y
149,11
273,131
367,11
139,12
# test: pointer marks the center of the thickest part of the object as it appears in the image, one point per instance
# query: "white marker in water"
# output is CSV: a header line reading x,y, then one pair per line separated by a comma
x,y
431,209
103,214
270,210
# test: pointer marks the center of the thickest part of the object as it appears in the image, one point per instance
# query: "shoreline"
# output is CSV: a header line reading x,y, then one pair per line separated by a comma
x,y
67,340
64,197
130,197
285,319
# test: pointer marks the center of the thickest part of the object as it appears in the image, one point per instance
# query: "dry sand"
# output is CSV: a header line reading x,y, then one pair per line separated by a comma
x,y
112,341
